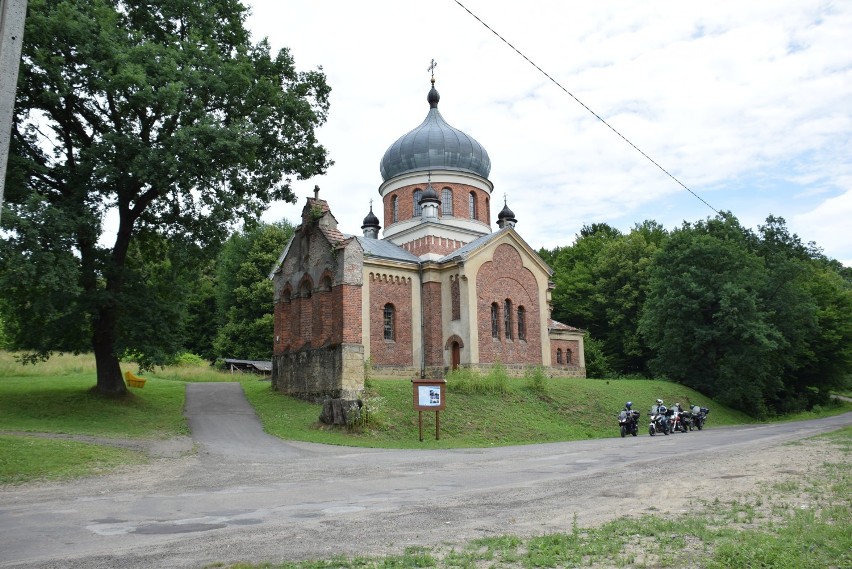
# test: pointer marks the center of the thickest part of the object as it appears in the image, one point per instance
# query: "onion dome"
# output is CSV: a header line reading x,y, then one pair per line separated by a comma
x,y
506,217
429,195
435,145
371,224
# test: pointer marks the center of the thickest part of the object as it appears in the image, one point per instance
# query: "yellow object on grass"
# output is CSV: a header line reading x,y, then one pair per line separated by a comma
x,y
132,380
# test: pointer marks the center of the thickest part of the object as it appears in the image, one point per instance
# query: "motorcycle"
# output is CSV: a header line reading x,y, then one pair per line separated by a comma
x,y
679,421
699,415
628,422
659,420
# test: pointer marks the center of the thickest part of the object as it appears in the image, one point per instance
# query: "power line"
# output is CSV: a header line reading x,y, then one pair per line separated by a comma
x,y
555,82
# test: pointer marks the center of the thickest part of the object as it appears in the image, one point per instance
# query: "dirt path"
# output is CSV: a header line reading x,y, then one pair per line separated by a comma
x,y
250,498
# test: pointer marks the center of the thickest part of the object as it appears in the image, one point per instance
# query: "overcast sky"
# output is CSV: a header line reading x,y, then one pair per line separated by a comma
x,y
748,104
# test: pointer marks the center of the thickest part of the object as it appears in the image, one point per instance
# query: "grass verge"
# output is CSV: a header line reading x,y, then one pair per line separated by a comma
x,y
28,459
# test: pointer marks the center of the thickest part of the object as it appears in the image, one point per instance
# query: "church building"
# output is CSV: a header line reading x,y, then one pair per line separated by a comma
x,y
439,290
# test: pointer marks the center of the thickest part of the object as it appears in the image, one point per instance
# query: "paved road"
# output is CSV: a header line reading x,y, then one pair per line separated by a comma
x,y
248,496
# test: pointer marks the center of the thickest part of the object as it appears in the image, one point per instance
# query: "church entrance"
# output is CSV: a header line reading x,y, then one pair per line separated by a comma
x,y
456,351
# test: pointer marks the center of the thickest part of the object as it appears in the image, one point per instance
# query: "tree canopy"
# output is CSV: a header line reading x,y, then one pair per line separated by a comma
x,y
757,319
161,118
244,291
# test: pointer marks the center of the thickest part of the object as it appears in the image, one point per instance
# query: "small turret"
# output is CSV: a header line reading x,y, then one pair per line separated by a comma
x,y
371,225
506,217
429,202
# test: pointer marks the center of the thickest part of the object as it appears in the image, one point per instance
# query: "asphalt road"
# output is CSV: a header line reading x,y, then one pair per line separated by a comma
x,y
248,496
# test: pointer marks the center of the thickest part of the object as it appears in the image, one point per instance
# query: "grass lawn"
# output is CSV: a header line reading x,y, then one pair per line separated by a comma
x,y
24,459
564,410
55,397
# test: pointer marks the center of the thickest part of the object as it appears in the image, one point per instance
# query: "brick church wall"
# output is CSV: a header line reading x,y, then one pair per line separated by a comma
x,y
405,202
318,350
433,344
395,290
567,346
505,277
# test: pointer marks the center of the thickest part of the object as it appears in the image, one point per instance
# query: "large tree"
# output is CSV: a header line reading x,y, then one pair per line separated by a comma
x,y
244,291
706,317
158,117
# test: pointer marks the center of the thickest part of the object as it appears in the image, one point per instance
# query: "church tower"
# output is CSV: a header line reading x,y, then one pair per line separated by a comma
x,y
435,190
440,290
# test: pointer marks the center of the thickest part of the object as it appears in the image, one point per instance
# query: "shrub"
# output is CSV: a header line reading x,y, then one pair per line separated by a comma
x,y
188,359
536,379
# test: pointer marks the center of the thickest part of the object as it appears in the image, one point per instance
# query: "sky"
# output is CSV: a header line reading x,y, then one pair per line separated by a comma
x,y
746,104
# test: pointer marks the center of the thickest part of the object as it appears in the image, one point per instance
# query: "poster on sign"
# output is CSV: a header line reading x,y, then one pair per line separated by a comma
x,y
429,395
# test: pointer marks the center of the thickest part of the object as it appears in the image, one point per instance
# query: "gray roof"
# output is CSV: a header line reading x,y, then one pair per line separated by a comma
x,y
385,250
463,252
435,145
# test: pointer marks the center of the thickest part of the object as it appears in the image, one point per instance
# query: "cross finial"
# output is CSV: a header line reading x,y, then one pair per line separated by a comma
x,y
316,192
371,204
505,195
431,68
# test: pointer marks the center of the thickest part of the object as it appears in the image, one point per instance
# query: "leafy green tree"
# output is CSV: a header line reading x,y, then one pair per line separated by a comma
x,y
705,316
621,286
597,363
574,268
201,323
164,116
244,291
811,307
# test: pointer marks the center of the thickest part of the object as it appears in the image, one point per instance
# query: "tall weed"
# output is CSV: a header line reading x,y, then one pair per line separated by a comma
x,y
465,380
536,379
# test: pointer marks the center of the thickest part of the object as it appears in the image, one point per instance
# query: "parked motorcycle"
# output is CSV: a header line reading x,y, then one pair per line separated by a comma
x,y
699,415
679,422
659,420
628,422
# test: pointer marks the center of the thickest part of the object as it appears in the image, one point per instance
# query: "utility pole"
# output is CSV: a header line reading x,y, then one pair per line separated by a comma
x,y
12,15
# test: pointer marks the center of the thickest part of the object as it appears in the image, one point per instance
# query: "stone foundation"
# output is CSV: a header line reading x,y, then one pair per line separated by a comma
x,y
335,371
515,370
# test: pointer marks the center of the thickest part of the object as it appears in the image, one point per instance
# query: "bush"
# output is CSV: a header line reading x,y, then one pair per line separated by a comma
x,y
536,379
465,380
188,359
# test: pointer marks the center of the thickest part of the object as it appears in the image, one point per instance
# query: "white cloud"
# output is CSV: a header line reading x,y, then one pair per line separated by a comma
x,y
748,104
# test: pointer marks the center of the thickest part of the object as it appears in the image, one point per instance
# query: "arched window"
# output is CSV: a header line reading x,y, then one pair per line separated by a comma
x,y
488,211
395,209
559,355
522,324
418,194
389,322
568,355
305,289
471,205
495,320
507,318
447,201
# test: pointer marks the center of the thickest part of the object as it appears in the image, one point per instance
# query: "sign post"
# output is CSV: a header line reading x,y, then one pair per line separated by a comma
x,y
429,395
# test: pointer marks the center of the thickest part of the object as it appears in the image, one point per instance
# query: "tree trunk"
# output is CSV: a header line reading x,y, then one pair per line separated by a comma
x,y
110,381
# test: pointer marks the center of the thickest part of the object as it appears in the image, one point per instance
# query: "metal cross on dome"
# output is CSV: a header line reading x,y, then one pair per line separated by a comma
x,y
432,67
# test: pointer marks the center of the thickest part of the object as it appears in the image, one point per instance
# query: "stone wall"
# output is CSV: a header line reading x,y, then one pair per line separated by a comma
x,y
512,370
335,371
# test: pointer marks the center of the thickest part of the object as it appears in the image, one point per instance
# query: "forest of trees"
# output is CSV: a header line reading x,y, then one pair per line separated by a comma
x,y
756,319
